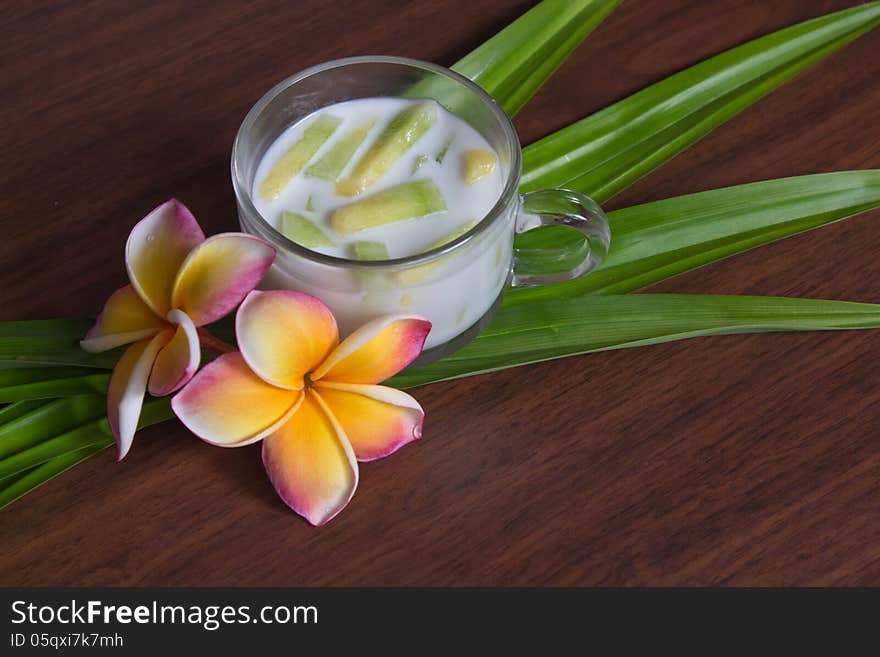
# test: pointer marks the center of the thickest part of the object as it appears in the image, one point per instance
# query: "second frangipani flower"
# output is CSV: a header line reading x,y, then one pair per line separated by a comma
x,y
179,282
312,400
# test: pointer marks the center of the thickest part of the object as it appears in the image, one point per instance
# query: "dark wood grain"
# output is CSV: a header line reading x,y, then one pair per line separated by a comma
x,y
739,460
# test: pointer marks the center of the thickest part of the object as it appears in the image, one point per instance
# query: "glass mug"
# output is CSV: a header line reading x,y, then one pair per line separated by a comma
x,y
458,285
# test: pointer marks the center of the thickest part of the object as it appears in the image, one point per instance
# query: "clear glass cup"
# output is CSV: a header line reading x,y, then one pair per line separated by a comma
x,y
456,286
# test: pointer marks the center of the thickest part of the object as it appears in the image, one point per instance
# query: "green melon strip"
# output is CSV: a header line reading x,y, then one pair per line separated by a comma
x,y
404,130
406,201
370,251
303,231
297,156
331,163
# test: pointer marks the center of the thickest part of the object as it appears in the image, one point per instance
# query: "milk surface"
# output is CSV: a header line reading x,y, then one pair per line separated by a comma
x,y
455,290
316,199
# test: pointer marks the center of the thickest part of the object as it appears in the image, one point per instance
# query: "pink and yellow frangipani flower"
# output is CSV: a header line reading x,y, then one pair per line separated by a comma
x,y
313,401
179,281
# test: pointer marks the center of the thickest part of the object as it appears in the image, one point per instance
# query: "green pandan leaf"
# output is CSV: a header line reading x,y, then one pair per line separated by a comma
x,y
17,409
51,343
47,420
21,375
607,151
63,386
655,241
15,486
553,328
514,63
27,469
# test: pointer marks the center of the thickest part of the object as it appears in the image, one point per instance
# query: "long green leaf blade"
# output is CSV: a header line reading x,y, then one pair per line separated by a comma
x,y
16,410
90,434
20,375
512,65
23,383
607,151
555,328
59,453
49,342
90,384
655,241
93,432
49,420
14,487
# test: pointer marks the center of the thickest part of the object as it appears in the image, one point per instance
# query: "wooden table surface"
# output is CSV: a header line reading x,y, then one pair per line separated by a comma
x,y
749,459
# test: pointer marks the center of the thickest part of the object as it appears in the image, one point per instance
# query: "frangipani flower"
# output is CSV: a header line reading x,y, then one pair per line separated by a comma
x,y
312,400
179,282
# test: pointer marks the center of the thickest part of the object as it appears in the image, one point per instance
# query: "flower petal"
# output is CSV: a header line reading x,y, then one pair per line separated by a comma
x,y
156,248
310,462
218,274
128,383
283,335
178,360
226,404
377,420
124,319
377,350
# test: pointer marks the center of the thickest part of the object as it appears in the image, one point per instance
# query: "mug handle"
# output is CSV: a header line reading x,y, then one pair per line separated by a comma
x,y
563,207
